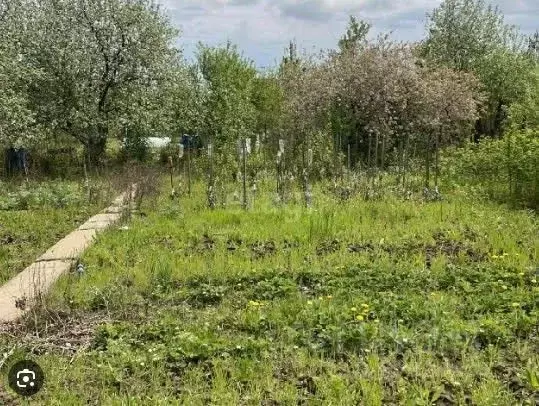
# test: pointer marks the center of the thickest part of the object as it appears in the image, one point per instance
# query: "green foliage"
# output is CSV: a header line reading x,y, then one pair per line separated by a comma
x,y
504,169
52,194
461,33
228,80
356,34
268,101
16,117
525,113
471,36
134,146
95,60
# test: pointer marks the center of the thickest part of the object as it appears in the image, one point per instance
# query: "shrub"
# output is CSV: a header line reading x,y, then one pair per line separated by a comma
x,y
134,147
504,169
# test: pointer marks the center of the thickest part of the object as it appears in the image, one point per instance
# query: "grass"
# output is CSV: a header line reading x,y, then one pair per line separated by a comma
x,y
35,215
356,302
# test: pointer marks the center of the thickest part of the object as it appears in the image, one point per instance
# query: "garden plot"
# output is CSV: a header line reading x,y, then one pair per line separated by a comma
x,y
378,302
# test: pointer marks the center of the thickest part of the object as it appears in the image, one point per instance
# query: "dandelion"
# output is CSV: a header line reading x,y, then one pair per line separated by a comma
x,y
329,297
359,317
309,302
534,280
365,305
353,309
515,304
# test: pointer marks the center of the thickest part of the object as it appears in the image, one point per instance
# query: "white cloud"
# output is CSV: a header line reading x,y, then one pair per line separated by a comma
x,y
262,28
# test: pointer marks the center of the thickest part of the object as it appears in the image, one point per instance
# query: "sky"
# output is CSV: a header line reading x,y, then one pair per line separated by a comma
x,y
262,29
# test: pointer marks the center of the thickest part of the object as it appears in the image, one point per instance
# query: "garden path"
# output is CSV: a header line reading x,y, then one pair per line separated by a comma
x,y
20,293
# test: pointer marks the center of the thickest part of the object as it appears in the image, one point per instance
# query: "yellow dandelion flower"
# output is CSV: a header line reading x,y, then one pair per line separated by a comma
x,y
309,302
365,305
359,317
515,304
353,309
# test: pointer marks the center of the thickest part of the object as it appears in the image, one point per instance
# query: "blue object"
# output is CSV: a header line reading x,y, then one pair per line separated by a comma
x,y
191,142
16,160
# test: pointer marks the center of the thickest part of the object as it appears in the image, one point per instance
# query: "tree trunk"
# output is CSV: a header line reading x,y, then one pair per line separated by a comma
x,y
95,147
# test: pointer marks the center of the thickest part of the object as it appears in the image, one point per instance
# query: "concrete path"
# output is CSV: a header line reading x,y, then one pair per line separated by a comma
x,y
18,295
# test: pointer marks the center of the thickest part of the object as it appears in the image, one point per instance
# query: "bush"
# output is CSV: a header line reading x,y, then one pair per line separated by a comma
x,y
135,147
504,169
55,161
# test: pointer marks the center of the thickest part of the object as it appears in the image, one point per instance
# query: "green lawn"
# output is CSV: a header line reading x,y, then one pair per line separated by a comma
x,y
377,302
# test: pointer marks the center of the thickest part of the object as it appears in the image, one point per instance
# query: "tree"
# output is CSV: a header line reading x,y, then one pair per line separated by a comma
x,y
468,35
355,35
525,114
533,45
389,100
17,121
228,80
306,101
93,55
268,101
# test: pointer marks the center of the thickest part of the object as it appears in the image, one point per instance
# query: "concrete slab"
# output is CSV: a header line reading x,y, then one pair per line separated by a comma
x,y
94,226
18,295
69,247
101,221
113,209
104,217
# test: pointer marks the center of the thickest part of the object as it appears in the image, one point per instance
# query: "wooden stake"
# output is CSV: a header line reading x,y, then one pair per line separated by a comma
x,y
244,153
